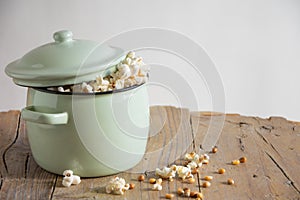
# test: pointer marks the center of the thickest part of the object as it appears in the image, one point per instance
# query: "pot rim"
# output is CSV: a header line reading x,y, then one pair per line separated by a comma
x,y
44,89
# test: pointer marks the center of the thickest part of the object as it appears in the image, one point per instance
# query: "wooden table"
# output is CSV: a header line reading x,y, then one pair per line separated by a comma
x,y
272,147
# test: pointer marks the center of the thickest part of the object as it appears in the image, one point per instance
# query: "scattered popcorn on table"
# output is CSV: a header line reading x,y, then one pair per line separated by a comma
x,y
167,172
70,179
117,186
129,72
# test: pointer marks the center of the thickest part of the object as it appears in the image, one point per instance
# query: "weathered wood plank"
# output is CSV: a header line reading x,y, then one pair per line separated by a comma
x,y
171,137
271,146
22,179
267,174
9,123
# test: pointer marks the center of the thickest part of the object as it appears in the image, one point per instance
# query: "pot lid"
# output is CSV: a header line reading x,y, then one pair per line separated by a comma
x,y
62,62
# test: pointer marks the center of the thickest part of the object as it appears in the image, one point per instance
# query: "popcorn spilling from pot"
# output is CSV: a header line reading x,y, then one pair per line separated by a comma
x,y
129,72
70,179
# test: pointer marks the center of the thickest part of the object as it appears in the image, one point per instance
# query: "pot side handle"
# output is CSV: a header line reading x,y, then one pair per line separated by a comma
x,y
29,114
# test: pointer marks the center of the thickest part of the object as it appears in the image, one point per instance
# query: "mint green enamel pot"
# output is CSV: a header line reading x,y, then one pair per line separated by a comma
x,y
91,134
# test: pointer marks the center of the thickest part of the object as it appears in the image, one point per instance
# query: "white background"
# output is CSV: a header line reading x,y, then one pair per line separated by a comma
x,y
255,44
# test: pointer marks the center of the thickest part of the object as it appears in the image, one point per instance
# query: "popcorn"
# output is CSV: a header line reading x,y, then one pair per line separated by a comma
x,y
129,72
157,186
166,172
193,165
60,89
68,173
86,88
184,172
124,71
101,81
70,179
191,156
119,84
206,157
117,186
134,69
195,160
131,54
129,82
76,180
67,181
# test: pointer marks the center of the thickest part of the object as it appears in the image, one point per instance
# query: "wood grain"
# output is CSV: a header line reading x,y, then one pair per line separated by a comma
x,y
21,178
271,160
270,145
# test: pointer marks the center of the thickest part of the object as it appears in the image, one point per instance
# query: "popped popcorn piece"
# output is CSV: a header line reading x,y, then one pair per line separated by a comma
x,y
194,165
206,157
190,156
76,88
157,185
67,181
141,79
184,172
116,186
101,81
127,61
86,88
194,159
68,173
69,178
167,172
129,82
131,54
76,180
60,89
134,69
124,71
119,84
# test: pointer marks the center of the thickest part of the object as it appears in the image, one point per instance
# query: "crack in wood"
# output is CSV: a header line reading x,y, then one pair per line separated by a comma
x,y
194,147
240,124
26,165
242,146
283,172
53,187
193,134
267,127
272,146
264,139
14,141
1,181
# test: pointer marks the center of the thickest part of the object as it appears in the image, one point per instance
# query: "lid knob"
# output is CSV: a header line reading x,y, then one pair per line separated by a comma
x,y
63,36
